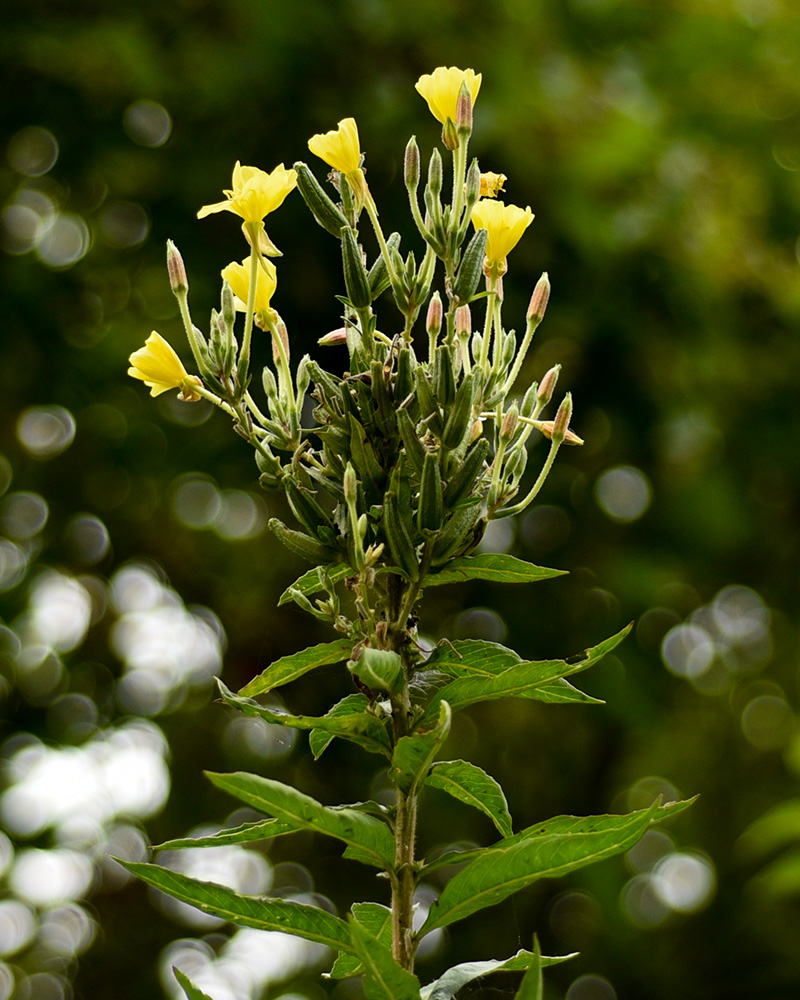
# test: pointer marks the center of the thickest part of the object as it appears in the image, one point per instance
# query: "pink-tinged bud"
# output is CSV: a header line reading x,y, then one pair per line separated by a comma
x,y
334,338
433,322
563,417
450,135
464,109
411,165
539,300
546,427
509,424
283,333
176,269
548,386
463,321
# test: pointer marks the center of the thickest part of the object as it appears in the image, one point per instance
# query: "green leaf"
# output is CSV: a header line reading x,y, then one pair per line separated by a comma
x,y
778,827
299,919
289,668
496,566
248,833
377,919
478,682
359,725
350,705
470,784
447,985
532,987
370,836
384,979
546,850
413,754
311,582
780,879
188,986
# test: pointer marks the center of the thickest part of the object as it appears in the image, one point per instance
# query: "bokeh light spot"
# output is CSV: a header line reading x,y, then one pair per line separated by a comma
x,y
65,242
480,623
124,224
17,926
688,650
591,988
196,502
23,515
242,516
147,123
47,877
623,493
45,431
768,722
87,538
684,882
32,151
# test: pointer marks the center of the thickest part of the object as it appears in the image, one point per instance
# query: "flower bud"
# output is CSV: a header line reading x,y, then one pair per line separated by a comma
x,y
450,135
548,386
563,417
509,424
411,165
176,269
472,189
435,173
334,338
350,484
283,333
463,321
433,323
464,110
539,299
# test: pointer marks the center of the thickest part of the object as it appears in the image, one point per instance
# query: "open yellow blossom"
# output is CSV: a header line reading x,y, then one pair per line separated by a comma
x,y
255,193
159,367
238,277
492,184
441,88
339,148
505,225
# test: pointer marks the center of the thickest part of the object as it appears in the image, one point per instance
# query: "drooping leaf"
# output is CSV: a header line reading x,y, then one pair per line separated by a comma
x,y
413,754
377,919
351,705
447,985
247,833
546,850
778,827
368,835
384,979
532,987
360,726
299,919
471,784
188,987
496,566
311,582
780,879
289,668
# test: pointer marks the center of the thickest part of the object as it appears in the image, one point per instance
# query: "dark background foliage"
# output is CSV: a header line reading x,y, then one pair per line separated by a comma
x,y
659,146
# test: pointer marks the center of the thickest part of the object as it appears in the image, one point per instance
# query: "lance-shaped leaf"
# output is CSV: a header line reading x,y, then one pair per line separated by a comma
x,y
496,566
520,680
247,833
413,755
547,850
312,582
469,783
188,987
370,836
532,987
447,985
351,705
384,979
360,725
289,668
377,919
299,919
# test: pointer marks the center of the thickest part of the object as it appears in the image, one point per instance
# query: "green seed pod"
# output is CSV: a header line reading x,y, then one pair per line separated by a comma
x,y
305,507
327,214
444,382
471,269
385,414
462,482
404,379
356,281
323,380
400,545
301,544
431,510
415,450
459,419
457,534
364,458
429,410
435,173
378,275
473,186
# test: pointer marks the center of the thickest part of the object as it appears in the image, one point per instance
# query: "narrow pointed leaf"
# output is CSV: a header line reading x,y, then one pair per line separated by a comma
x,y
548,850
377,919
299,919
247,833
359,726
384,979
311,582
496,566
188,987
532,987
447,985
413,755
351,705
289,668
368,835
472,785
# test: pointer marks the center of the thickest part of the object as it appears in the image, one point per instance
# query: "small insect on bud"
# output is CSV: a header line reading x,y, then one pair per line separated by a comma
x,y
563,417
464,110
539,299
463,321
334,338
509,424
176,269
548,386
433,322
411,167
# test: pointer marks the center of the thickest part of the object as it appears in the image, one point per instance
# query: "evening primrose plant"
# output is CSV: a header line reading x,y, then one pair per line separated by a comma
x,y
408,455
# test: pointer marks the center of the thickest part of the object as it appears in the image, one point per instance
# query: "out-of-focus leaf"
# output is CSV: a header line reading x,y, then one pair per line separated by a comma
x,y
469,783
188,987
778,827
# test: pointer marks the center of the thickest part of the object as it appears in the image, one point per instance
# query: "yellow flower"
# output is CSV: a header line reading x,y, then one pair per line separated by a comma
x,y
505,225
158,366
339,148
440,89
255,192
492,184
238,277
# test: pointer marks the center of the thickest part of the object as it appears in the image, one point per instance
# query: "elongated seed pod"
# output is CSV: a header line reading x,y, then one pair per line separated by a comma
x,y
385,414
301,544
327,214
462,482
444,382
456,533
459,419
378,275
398,538
404,379
415,450
430,512
305,507
471,269
427,402
356,281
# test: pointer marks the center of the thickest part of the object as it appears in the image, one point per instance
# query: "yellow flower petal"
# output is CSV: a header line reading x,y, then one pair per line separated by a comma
x,y
441,87
492,184
505,225
238,277
157,365
255,193
340,147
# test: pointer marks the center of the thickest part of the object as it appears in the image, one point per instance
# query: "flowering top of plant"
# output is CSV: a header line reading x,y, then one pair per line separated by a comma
x,y
159,367
442,87
255,193
339,148
504,224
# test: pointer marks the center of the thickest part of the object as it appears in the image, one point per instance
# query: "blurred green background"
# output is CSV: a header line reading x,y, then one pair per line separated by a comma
x,y
659,146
